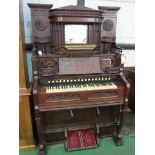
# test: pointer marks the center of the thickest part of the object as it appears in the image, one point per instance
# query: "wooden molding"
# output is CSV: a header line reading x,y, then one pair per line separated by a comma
x,y
24,91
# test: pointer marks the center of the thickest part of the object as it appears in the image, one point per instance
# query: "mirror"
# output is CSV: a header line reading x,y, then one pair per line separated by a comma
x,y
75,34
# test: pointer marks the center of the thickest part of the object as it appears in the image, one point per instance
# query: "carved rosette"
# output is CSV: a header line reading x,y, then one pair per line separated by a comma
x,y
41,24
108,25
49,66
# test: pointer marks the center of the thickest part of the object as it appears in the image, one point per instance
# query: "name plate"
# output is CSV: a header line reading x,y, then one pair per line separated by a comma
x,y
89,65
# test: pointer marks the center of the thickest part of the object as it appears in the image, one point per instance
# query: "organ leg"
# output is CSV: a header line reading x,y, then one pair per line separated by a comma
x,y
41,138
119,121
122,114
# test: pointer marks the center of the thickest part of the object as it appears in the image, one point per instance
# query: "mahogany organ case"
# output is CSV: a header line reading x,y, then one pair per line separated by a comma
x,y
76,84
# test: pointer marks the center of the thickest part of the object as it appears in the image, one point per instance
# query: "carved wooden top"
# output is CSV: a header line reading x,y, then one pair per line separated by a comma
x,y
76,7
75,11
108,11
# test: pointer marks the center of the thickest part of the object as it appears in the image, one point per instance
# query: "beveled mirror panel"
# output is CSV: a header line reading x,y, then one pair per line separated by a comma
x,y
75,34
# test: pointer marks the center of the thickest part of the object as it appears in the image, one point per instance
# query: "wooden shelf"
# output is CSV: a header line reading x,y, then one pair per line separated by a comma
x,y
75,126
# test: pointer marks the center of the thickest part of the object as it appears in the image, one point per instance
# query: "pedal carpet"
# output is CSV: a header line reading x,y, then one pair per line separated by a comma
x,y
81,139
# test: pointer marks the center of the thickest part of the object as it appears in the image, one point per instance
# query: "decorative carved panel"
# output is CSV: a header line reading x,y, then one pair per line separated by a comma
x,y
72,11
102,94
48,66
63,97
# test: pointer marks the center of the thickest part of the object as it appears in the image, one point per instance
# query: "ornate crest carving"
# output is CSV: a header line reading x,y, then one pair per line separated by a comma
x,y
49,66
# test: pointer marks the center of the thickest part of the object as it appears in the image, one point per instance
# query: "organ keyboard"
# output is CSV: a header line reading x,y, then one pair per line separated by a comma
x,y
84,87
72,85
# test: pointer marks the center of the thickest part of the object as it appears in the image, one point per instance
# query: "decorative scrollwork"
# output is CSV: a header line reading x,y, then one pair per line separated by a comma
x,y
49,66
75,13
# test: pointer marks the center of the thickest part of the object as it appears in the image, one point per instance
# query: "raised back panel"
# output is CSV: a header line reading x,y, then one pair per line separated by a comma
x,y
108,27
85,65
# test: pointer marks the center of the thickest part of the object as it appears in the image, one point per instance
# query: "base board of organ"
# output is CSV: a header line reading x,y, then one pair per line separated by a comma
x,y
78,89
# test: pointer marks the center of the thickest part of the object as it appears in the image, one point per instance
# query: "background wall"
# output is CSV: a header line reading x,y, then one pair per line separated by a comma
x,y
125,24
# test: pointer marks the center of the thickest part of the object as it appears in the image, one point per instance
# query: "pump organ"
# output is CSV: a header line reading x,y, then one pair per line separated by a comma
x,y
76,84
